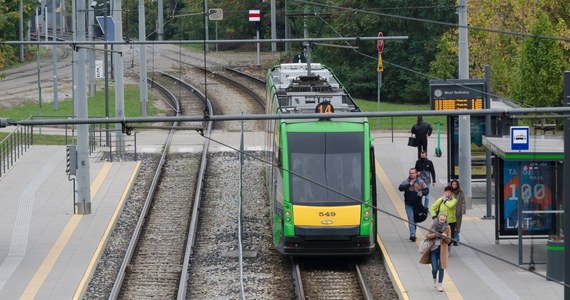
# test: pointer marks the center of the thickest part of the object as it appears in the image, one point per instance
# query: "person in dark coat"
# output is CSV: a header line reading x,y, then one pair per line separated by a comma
x,y
421,130
426,171
414,188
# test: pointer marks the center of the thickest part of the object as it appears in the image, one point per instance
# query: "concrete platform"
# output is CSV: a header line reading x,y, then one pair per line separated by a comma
x,y
47,251
478,269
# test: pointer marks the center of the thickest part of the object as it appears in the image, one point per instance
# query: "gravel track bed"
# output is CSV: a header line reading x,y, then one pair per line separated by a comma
x,y
330,282
378,279
255,86
112,258
227,100
190,103
155,268
214,270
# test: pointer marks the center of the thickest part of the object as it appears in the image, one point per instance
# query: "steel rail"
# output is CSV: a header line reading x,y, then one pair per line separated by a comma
x,y
297,280
147,204
257,80
259,99
363,284
192,232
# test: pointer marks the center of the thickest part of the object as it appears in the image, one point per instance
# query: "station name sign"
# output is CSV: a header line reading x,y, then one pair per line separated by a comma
x,y
457,94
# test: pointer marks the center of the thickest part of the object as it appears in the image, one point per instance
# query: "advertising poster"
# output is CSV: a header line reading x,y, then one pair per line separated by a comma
x,y
535,188
478,159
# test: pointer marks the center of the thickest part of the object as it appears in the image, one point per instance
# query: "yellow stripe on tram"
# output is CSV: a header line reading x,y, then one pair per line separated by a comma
x,y
348,215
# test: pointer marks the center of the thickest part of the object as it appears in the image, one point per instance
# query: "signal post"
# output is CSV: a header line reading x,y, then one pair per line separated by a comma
x,y
380,46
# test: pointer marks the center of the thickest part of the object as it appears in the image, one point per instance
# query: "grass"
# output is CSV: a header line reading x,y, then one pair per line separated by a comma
x,y
399,123
96,109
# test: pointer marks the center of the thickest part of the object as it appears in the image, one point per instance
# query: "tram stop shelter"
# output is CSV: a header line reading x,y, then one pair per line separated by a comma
x,y
528,187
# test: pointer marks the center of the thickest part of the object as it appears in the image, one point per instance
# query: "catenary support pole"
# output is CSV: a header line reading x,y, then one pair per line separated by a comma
x,y
90,33
465,120
273,25
21,29
118,67
80,100
54,55
160,22
566,191
488,132
142,61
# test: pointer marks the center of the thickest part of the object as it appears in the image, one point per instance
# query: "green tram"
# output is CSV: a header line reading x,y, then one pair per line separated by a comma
x,y
321,181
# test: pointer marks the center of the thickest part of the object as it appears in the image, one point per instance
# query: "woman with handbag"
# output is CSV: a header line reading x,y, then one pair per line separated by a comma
x,y
437,251
445,204
421,130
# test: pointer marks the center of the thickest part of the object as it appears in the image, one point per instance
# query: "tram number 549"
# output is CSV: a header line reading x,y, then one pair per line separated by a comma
x,y
327,214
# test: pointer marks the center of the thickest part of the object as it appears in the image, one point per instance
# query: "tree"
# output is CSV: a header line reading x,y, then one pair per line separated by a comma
x,y
538,81
406,62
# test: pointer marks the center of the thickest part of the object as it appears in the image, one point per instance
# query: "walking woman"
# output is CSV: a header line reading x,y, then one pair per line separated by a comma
x,y
422,130
437,252
460,209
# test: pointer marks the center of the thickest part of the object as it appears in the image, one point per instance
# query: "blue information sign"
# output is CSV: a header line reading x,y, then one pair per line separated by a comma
x,y
519,137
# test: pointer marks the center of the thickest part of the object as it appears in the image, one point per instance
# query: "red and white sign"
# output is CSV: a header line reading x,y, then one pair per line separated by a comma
x,y
254,15
380,43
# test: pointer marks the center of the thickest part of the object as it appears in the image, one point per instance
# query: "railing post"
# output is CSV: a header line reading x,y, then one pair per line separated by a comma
x,y
1,159
135,137
11,150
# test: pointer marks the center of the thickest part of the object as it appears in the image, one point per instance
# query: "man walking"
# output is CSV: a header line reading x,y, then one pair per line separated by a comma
x,y
426,171
414,188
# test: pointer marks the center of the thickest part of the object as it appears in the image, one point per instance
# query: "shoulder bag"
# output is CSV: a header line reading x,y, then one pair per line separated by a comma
x,y
423,246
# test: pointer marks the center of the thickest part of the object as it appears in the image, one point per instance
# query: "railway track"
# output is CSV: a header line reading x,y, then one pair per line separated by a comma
x,y
321,279
211,266
156,260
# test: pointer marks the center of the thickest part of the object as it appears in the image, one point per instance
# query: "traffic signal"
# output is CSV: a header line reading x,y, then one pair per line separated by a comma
x,y
71,155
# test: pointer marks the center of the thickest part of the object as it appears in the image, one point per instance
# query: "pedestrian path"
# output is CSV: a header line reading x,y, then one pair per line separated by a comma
x,y
471,273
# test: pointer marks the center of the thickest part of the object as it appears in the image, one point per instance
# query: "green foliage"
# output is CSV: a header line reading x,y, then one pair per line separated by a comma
x,y
516,72
445,65
357,69
538,81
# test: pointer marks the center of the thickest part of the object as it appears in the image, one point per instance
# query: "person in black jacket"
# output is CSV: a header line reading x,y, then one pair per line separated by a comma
x,y
426,171
422,130
414,188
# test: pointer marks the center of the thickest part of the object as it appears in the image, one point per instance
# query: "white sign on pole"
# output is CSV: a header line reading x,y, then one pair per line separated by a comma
x,y
215,14
254,15
99,73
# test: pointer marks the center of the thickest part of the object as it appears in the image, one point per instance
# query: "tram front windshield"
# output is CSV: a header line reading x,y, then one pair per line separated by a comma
x,y
333,160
